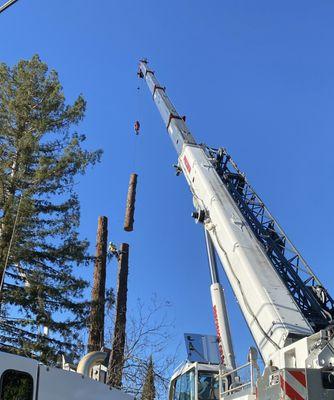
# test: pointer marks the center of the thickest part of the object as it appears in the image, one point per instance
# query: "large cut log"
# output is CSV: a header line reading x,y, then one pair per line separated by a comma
x,y
130,204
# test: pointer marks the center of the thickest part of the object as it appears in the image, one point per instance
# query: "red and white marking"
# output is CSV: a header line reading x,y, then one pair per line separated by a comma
x,y
293,384
186,163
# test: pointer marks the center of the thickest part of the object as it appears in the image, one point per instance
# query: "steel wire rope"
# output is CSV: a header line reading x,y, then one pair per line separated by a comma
x,y
138,111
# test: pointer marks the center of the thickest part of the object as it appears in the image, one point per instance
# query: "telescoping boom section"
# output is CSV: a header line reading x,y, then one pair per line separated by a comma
x,y
279,295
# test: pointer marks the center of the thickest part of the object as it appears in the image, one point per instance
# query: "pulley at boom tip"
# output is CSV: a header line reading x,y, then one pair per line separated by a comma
x,y
140,73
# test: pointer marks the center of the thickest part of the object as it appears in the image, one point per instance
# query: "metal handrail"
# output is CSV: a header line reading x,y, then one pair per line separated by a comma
x,y
236,369
236,388
251,383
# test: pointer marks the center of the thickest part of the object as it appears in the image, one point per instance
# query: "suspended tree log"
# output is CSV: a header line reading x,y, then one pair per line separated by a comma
x,y
130,204
116,360
96,329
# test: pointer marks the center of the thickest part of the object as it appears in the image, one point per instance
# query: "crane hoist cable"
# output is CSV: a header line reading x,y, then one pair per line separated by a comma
x,y
136,125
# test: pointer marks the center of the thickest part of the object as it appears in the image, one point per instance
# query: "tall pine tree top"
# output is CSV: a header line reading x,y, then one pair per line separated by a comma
x,y
40,156
148,392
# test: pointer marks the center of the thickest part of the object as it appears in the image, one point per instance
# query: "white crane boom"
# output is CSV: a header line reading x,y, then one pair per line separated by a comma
x,y
271,312
288,311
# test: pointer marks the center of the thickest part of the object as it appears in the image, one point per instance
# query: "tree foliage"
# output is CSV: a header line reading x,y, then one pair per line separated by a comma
x,y
40,157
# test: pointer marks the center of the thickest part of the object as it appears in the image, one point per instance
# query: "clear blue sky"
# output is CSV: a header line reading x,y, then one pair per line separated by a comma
x,y
255,77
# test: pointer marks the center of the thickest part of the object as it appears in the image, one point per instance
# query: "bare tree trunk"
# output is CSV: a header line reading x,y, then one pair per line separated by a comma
x,y
130,204
96,330
7,230
116,360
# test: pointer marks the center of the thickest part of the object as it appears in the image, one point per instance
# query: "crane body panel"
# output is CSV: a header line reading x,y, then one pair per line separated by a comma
x,y
269,309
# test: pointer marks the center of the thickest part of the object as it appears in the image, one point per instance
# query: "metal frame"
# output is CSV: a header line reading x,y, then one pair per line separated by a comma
x,y
250,384
296,274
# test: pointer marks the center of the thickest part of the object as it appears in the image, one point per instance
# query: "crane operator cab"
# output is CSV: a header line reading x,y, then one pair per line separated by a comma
x,y
198,377
203,377
195,381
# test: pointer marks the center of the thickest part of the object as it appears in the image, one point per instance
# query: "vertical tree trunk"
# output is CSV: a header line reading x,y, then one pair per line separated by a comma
x,y
116,359
6,225
130,204
96,330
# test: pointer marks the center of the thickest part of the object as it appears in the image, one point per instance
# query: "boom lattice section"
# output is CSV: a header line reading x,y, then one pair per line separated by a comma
x,y
310,295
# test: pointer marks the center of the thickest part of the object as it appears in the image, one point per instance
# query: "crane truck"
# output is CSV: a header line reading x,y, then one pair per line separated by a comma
x,y
288,310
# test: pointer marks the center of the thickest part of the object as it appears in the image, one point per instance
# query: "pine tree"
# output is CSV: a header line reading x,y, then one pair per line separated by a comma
x,y
40,156
148,392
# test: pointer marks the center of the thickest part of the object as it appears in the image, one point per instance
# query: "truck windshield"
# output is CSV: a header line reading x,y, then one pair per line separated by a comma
x,y
208,386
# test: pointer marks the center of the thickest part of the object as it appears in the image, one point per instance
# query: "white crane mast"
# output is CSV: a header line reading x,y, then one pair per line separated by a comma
x,y
271,313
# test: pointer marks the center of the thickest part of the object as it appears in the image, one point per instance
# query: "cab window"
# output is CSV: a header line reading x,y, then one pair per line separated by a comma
x,y
177,385
16,385
184,387
208,386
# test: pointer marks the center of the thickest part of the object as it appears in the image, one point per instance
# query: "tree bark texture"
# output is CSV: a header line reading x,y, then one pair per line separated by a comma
x,y
96,331
116,360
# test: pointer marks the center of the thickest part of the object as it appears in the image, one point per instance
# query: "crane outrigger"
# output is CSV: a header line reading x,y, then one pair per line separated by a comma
x,y
287,309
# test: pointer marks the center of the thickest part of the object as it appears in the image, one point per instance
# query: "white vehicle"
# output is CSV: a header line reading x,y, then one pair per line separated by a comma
x,y
26,379
287,309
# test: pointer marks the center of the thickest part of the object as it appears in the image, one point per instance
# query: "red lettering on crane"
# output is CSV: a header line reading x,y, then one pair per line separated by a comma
x,y
186,163
220,347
